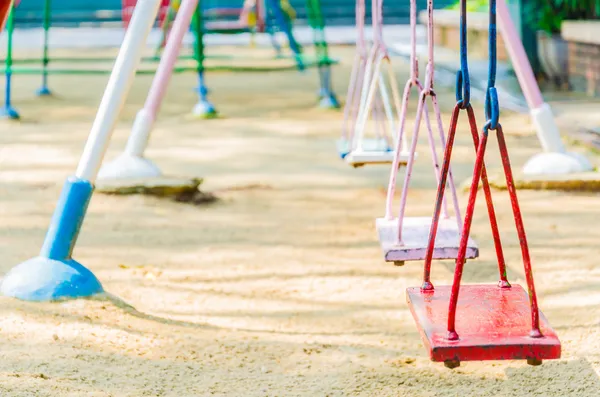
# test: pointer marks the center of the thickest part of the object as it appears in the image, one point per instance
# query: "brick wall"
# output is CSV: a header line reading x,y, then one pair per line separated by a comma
x,y
447,34
584,55
584,67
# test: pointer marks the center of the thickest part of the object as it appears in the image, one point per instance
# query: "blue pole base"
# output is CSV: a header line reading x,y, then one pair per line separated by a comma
x,y
54,275
43,91
329,101
45,279
204,110
10,113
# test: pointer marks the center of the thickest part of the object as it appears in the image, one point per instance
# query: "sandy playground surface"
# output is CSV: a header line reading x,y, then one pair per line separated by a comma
x,y
279,289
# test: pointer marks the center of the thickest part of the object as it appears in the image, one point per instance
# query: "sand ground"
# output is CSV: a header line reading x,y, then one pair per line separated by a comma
x,y
279,289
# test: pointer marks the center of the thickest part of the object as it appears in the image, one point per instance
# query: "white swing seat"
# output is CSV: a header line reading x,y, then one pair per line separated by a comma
x,y
415,238
373,151
358,158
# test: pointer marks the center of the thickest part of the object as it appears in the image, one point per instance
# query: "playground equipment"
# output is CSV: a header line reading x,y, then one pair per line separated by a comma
x,y
7,110
555,159
132,164
54,274
195,62
327,97
204,108
355,86
284,14
374,100
406,239
247,21
493,324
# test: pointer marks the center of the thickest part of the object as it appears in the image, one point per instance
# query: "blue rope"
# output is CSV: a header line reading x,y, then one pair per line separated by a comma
x,y
492,107
463,82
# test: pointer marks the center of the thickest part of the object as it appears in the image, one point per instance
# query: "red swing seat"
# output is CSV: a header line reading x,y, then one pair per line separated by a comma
x,y
494,323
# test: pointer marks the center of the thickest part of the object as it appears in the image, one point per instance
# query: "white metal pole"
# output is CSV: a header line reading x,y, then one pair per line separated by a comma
x,y
117,88
555,159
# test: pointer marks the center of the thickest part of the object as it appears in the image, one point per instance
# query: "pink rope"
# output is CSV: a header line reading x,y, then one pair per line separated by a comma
x,y
361,43
425,90
357,76
413,81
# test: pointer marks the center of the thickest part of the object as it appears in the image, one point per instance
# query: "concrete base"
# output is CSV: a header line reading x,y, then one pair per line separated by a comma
x,y
158,186
551,163
585,181
126,167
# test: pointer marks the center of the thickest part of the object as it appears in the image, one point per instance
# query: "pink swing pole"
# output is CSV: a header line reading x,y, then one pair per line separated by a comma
x,y
132,164
555,159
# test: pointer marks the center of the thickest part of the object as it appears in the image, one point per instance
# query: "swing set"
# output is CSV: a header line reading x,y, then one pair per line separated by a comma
x,y
255,15
500,321
405,239
368,96
497,322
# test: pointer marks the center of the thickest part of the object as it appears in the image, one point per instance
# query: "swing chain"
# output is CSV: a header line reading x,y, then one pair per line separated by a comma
x,y
360,25
377,24
414,60
492,107
463,82
429,68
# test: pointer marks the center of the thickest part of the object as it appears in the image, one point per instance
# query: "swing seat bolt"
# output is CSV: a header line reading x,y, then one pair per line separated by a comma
x,y
534,361
535,333
398,263
451,364
427,286
452,335
504,284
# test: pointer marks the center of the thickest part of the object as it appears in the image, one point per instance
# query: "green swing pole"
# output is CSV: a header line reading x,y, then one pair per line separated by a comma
x,y
328,99
7,111
203,109
44,90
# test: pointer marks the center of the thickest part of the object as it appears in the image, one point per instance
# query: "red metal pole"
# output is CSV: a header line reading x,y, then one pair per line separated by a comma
x,y
503,283
4,11
462,250
427,286
510,185
261,23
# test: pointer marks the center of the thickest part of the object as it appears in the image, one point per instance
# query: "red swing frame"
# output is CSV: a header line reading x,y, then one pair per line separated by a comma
x,y
497,322
127,7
